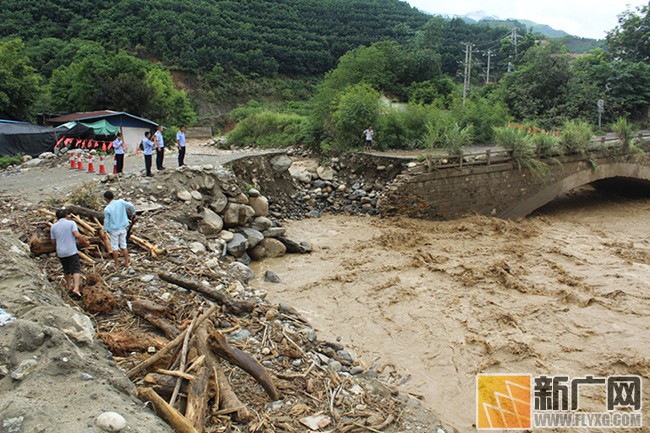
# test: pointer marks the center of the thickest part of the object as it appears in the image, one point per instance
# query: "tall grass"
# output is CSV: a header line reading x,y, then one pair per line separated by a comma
x,y
625,132
6,161
575,136
522,147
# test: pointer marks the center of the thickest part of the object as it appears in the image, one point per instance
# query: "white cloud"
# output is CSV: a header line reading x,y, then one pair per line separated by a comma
x,y
586,18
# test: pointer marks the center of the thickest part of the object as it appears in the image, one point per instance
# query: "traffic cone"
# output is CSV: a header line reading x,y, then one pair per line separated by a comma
x,y
73,161
80,164
102,169
115,165
91,167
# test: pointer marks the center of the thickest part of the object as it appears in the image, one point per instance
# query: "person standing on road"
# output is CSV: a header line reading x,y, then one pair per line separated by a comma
x,y
147,150
118,147
64,235
160,148
116,221
180,143
370,136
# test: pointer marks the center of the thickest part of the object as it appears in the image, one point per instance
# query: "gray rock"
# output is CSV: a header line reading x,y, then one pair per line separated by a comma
x,y
210,223
147,278
13,425
273,247
272,277
345,356
274,232
245,259
24,369
208,183
226,235
86,377
184,195
302,176
246,273
287,309
28,335
257,253
281,163
197,247
357,369
47,155
238,245
325,173
241,198
240,335
197,195
335,366
313,214
32,162
260,205
253,236
220,201
262,223
253,192
237,214
111,422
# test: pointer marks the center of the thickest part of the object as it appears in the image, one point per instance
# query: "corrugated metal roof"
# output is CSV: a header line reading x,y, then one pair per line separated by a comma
x,y
96,115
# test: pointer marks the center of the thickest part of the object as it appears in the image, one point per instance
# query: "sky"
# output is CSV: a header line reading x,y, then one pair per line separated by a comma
x,y
585,18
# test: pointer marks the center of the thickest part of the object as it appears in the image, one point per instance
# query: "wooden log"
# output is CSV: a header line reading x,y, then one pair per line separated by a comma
x,y
163,384
224,397
244,361
293,247
91,230
197,399
169,347
173,417
86,259
177,374
86,212
232,305
47,212
154,250
151,312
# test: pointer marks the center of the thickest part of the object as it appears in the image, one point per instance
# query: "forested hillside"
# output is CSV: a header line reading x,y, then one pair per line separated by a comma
x,y
263,37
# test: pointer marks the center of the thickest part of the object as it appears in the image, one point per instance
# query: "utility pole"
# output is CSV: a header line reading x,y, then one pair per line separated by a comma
x,y
468,69
487,76
515,38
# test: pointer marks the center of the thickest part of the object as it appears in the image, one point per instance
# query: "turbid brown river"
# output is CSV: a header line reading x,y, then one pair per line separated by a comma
x,y
565,291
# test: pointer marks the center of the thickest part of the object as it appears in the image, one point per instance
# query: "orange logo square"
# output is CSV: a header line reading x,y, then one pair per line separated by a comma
x,y
503,401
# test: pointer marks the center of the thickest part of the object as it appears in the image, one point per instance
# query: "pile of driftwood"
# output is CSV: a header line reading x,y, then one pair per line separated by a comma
x,y
177,344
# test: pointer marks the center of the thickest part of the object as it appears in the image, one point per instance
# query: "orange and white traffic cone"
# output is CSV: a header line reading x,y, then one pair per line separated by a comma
x,y
91,167
115,165
80,163
73,161
102,169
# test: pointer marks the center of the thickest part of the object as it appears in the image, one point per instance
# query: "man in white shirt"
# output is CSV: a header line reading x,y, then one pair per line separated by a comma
x,y
180,143
118,147
160,148
370,135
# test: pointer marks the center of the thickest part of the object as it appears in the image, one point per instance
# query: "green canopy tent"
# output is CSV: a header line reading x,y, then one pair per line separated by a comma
x,y
102,127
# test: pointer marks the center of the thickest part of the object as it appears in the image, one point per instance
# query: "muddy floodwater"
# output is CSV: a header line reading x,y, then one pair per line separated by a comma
x,y
565,291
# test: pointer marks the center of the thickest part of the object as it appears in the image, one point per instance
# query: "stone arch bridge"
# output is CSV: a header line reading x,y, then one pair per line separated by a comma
x,y
495,185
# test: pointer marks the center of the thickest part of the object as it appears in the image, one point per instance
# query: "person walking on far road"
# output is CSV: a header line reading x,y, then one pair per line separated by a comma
x,y
116,221
160,148
180,143
118,147
370,136
64,235
147,150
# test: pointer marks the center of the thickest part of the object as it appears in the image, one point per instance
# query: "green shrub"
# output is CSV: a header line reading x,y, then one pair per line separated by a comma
x,y
454,137
547,144
357,108
6,161
484,115
575,136
522,147
624,131
269,129
406,128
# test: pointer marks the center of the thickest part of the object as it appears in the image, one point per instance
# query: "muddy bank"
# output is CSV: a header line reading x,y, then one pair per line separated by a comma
x,y
49,355
563,292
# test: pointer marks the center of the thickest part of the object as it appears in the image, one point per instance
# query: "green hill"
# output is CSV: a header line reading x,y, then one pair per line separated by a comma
x,y
262,37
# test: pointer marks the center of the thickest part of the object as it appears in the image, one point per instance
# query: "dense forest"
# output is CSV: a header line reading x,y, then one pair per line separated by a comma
x,y
313,70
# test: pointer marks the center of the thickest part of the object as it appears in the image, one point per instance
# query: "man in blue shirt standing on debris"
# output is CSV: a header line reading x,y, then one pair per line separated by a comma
x,y
116,221
64,235
160,148
180,143
147,149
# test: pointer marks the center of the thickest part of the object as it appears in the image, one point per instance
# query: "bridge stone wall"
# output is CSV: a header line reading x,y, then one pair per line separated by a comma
x,y
503,189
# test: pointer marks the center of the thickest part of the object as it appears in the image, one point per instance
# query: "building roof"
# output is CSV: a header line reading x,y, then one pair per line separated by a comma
x,y
109,115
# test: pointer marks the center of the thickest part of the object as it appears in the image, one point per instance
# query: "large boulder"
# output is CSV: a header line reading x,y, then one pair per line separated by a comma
x,y
262,223
260,205
219,202
273,247
236,214
238,245
210,223
325,173
281,163
253,236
